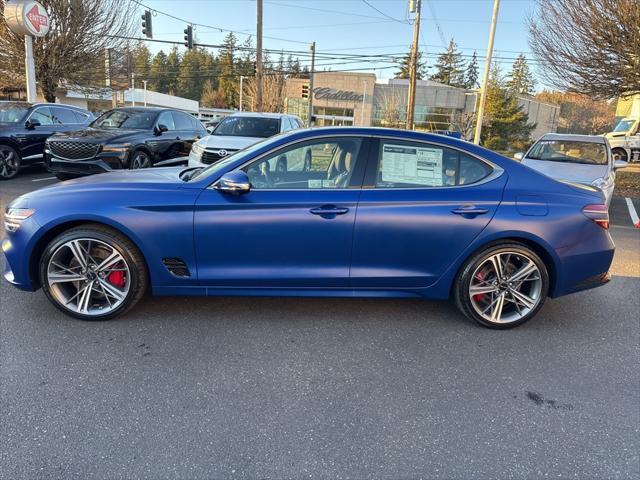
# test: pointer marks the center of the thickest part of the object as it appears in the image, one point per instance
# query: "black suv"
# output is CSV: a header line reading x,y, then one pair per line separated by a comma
x,y
132,137
24,127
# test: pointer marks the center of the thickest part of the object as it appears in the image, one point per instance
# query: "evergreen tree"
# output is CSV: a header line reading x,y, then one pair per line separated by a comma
x,y
521,79
173,68
229,78
141,62
450,67
405,67
158,73
505,124
471,75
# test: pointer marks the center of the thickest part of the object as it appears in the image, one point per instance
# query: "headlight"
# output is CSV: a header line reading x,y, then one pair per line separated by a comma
x,y
197,149
13,218
116,148
603,183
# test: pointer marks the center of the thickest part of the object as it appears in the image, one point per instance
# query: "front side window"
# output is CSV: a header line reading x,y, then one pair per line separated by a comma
x,y
42,115
316,164
182,121
569,151
167,120
420,165
259,127
126,119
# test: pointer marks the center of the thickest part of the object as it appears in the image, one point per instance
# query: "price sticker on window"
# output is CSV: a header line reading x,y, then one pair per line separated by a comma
x,y
411,165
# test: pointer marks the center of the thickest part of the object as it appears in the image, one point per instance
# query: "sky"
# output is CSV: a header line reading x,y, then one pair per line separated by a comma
x,y
352,27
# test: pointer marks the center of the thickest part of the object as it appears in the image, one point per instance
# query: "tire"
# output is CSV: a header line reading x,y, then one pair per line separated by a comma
x,y
140,159
112,291
66,176
9,162
522,295
619,154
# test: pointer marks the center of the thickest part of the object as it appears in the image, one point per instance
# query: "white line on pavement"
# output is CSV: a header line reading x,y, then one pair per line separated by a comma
x,y
42,179
633,213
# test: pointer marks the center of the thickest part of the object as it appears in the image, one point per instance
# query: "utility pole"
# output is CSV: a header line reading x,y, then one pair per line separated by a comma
x,y
311,75
241,89
414,5
133,89
485,76
259,58
145,92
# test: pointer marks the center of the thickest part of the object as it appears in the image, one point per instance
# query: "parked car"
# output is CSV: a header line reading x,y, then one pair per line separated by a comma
x,y
123,138
24,127
391,213
240,130
585,159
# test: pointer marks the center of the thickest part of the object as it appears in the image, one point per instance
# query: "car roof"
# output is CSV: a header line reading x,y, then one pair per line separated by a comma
x,y
259,114
574,137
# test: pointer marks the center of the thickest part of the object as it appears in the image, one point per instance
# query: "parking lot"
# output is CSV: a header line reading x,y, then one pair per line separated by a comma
x,y
323,388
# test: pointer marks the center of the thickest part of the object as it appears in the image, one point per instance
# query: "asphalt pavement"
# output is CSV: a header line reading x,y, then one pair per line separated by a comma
x,y
322,388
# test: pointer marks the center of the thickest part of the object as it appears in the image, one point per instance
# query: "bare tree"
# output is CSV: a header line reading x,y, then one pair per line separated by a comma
x,y
588,46
465,123
392,107
272,92
74,49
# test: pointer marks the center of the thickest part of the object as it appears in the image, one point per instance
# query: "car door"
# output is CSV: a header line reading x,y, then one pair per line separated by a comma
x,y
32,138
166,145
425,203
185,133
293,229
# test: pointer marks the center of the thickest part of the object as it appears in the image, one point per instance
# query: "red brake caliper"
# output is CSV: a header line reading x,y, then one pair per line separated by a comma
x,y
116,278
480,296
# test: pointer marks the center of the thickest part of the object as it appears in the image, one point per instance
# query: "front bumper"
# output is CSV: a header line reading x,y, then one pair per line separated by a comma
x,y
195,161
100,164
17,261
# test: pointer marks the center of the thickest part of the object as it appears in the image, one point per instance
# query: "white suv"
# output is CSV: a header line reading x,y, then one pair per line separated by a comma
x,y
238,131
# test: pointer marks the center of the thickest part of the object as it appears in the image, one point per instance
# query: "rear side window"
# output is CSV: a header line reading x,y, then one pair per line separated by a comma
x,y
81,117
404,164
182,121
64,116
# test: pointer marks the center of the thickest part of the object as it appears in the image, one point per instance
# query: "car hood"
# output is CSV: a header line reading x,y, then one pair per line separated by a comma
x,y
96,135
228,142
570,172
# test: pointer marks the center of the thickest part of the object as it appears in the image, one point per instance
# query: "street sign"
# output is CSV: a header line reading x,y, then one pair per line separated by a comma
x,y
27,18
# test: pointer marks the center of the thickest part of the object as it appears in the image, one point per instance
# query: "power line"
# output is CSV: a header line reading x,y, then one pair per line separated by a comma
x,y
384,14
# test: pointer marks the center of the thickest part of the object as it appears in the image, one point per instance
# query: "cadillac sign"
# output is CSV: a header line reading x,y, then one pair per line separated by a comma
x,y
27,18
333,94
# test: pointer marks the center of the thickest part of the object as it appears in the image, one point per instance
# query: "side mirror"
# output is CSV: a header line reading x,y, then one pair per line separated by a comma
x,y
619,164
235,183
518,156
31,124
158,129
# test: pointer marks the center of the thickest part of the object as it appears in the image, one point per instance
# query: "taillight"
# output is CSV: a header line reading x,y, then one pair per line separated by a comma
x,y
599,213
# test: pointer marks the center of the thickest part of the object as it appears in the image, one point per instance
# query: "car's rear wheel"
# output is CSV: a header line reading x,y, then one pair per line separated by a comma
x,y
93,273
502,286
140,159
9,162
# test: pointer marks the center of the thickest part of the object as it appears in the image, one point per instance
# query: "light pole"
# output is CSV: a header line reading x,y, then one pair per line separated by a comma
x,y
145,92
485,76
241,89
364,96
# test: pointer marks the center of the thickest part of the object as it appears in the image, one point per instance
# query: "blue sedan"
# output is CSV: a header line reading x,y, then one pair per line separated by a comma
x,y
377,213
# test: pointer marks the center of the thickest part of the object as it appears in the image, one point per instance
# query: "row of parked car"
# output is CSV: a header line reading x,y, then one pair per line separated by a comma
x,y
72,142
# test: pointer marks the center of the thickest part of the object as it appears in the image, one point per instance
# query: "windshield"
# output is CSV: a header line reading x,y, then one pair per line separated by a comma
x,y
248,127
12,112
569,151
135,120
624,125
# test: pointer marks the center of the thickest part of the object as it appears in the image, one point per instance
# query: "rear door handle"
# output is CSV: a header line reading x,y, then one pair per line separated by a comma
x,y
329,210
471,210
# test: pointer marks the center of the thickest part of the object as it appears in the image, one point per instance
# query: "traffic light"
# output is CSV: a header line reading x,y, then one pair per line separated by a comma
x,y
305,90
188,37
147,29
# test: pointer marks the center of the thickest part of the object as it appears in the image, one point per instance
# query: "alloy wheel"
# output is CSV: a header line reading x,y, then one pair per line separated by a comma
x,y
88,276
505,287
140,160
9,162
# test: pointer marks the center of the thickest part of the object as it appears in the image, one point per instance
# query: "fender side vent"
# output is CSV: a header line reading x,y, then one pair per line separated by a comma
x,y
176,266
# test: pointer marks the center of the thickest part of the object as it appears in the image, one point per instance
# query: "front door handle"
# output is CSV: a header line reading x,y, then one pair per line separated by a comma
x,y
329,210
470,210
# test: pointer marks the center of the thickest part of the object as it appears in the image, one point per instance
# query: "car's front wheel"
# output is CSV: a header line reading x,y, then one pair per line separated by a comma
x,y
140,159
92,272
503,286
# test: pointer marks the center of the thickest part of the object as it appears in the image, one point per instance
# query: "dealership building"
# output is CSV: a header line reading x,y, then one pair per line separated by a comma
x,y
350,98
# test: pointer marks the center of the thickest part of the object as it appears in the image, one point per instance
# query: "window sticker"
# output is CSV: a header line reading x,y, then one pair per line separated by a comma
x,y
413,165
315,183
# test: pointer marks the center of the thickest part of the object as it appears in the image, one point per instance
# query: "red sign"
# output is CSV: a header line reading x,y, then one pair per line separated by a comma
x,y
37,20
